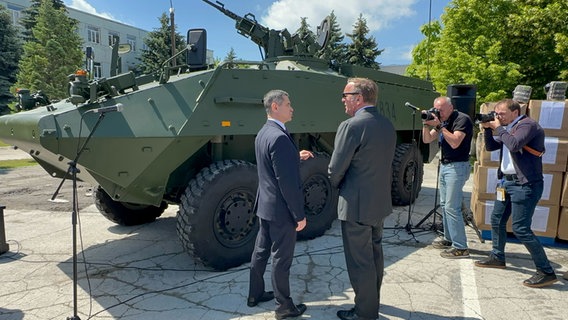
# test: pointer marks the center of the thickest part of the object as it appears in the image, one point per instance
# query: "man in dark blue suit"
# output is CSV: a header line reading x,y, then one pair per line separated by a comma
x,y
279,205
360,167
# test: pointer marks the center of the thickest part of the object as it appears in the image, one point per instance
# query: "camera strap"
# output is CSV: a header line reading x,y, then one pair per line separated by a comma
x,y
528,149
533,151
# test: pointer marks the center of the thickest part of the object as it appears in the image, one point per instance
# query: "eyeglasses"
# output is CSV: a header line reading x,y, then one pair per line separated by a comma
x,y
345,94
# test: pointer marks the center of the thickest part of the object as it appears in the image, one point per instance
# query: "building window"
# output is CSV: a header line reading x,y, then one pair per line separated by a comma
x,y
93,34
131,40
97,70
111,35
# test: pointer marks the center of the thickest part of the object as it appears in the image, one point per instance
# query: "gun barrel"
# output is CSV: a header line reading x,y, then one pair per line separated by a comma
x,y
221,7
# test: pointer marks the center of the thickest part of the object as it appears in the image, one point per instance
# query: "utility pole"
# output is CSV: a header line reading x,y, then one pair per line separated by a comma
x,y
173,31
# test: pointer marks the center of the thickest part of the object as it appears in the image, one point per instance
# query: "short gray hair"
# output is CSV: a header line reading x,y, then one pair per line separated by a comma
x,y
276,96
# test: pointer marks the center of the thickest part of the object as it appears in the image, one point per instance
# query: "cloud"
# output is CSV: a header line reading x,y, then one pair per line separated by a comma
x,y
378,14
397,55
83,5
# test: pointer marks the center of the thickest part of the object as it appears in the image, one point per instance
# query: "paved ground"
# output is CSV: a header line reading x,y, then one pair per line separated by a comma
x,y
142,273
8,153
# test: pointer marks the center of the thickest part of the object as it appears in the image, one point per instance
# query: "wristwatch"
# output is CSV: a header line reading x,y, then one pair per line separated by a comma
x,y
438,127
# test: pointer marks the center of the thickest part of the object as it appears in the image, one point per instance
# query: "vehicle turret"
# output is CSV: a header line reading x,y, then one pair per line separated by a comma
x,y
276,43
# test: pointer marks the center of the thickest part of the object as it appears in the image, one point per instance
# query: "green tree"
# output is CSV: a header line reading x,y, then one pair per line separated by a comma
x,y
531,33
304,30
9,57
335,50
562,49
363,50
53,56
234,61
231,57
495,45
307,37
29,17
159,46
423,51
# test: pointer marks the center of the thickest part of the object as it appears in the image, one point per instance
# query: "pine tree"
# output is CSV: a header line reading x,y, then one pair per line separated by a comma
x,y
363,50
230,58
335,50
159,47
9,56
53,55
304,29
29,17
307,37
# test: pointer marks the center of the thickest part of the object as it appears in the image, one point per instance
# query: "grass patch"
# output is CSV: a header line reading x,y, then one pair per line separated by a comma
x,y
2,144
11,164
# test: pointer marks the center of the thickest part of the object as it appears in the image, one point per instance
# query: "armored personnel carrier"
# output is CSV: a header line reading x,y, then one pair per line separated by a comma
x,y
187,137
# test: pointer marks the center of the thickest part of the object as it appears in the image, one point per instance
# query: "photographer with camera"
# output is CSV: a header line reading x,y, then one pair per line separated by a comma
x,y
454,131
521,141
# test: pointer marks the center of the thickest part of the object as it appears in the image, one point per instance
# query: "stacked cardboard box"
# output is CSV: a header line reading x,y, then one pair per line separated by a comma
x,y
549,220
553,117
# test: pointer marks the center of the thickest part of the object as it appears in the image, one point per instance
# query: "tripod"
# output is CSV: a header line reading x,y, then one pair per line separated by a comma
x,y
73,170
468,217
434,211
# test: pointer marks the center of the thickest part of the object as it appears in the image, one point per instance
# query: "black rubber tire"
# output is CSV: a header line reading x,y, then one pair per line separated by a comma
x,y
407,164
124,213
216,222
320,198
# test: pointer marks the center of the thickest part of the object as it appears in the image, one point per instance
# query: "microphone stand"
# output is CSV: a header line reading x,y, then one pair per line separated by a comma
x,y
73,170
408,227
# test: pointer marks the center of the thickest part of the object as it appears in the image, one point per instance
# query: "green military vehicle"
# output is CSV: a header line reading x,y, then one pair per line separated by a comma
x,y
187,138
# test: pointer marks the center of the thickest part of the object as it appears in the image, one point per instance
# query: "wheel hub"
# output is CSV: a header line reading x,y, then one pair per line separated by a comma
x,y
235,219
410,175
316,194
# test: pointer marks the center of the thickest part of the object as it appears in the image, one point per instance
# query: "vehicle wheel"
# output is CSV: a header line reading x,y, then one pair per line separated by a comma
x,y
407,172
125,213
216,221
320,198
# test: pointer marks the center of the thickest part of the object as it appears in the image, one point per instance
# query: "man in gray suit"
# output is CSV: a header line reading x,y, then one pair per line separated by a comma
x,y
360,167
279,204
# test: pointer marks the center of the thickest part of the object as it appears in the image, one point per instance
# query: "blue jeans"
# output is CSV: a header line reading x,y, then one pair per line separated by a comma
x,y
520,202
452,179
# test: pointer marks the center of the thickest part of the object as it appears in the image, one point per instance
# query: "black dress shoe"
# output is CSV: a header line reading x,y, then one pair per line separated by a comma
x,y
350,315
295,311
266,296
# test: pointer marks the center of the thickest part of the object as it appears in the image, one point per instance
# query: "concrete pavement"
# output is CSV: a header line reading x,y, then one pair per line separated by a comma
x,y
142,272
9,153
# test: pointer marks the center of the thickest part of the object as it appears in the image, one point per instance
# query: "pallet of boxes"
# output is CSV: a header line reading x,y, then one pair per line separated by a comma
x,y
550,220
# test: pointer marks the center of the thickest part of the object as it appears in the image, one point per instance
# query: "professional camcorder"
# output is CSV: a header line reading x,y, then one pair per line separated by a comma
x,y
482,118
429,114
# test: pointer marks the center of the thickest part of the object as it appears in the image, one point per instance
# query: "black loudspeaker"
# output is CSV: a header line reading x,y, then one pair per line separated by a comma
x,y
463,98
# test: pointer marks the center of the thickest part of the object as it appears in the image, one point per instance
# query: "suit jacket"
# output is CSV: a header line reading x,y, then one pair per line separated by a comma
x,y
280,197
361,167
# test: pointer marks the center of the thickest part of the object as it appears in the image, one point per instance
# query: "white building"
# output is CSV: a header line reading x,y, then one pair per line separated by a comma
x,y
97,32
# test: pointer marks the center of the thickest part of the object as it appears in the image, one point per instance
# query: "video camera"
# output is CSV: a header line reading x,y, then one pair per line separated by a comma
x,y
482,117
429,114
